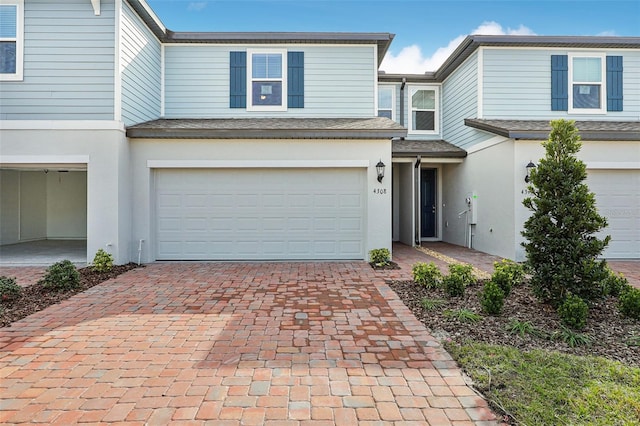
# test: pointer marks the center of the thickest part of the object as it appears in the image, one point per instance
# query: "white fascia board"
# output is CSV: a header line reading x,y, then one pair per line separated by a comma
x,y
480,82
61,125
243,164
96,6
117,90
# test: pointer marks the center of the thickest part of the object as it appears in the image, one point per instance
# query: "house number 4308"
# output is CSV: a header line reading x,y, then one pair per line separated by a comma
x,y
380,191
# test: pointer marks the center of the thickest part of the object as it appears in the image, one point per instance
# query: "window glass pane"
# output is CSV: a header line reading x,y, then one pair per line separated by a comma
x,y
588,70
7,57
8,20
423,99
586,96
384,113
259,66
385,97
274,65
267,93
423,120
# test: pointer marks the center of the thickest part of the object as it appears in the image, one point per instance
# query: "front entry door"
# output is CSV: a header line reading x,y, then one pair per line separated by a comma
x,y
428,210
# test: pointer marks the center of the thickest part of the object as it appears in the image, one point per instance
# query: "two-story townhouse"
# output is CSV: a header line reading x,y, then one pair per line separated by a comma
x,y
154,144
476,125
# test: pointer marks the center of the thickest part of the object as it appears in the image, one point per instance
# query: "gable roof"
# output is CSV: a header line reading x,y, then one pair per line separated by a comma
x,y
381,40
268,128
472,42
540,129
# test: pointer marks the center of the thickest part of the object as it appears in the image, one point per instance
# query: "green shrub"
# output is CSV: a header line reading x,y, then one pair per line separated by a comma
x,y
492,298
573,312
629,303
62,275
453,285
431,304
9,290
523,328
571,338
614,284
426,274
465,272
102,262
507,274
380,257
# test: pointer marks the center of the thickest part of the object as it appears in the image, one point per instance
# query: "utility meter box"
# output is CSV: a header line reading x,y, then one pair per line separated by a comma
x,y
472,205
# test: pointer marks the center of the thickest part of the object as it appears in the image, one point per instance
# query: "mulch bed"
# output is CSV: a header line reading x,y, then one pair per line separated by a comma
x,y
609,331
388,267
35,298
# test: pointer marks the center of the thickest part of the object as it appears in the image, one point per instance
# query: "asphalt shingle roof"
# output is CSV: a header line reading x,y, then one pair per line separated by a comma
x,y
540,129
269,128
426,148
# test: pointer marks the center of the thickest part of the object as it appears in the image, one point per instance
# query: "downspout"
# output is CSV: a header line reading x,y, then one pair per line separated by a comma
x,y
404,82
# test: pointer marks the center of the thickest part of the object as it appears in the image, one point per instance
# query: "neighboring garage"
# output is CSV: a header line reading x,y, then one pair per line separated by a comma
x,y
260,214
618,199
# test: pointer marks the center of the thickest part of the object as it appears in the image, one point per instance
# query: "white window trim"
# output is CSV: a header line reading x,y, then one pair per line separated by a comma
x,y
19,74
603,84
436,116
250,106
393,99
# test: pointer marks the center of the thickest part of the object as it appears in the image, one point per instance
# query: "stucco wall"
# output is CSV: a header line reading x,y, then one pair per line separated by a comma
x,y
9,206
378,217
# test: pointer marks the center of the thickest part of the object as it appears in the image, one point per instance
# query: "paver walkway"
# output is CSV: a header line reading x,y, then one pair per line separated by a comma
x,y
233,343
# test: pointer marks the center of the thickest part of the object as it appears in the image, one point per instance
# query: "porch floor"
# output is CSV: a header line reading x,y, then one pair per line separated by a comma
x,y
44,252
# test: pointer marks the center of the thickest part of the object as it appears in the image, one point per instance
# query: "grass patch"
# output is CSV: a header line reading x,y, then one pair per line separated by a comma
x,y
543,387
524,328
463,315
431,304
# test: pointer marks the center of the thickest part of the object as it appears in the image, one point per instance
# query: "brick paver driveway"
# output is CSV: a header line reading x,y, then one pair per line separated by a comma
x,y
232,343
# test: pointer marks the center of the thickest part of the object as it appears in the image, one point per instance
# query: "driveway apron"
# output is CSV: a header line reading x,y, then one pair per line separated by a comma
x,y
233,343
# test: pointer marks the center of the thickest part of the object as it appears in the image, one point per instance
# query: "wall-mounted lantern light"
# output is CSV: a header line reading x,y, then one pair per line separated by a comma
x,y
380,170
530,167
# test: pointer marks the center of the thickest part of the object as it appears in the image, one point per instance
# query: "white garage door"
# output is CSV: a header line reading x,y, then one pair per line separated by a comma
x,y
618,199
259,214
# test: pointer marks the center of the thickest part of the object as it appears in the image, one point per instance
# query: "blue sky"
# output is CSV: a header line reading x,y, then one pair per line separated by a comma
x,y
426,30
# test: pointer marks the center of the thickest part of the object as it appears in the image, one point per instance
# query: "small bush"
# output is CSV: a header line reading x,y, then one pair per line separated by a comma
x,y
614,284
453,285
492,298
426,274
573,312
507,274
102,262
9,290
629,303
62,275
571,338
465,272
523,328
380,257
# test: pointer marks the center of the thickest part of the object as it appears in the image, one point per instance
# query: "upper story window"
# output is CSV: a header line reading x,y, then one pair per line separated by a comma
x,y
267,85
386,101
11,39
587,90
423,118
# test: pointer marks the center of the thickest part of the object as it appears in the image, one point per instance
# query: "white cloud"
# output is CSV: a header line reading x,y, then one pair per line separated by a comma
x,y
196,6
411,60
610,33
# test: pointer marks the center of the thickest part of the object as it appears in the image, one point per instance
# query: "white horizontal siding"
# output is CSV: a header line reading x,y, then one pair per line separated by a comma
x,y
517,84
460,101
339,81
140,64
68,63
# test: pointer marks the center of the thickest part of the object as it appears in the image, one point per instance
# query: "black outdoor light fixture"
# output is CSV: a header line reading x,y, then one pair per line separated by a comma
x,y
530,167
380,169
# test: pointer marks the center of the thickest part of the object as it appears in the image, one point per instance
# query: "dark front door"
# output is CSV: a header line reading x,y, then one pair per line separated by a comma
x,y
428,212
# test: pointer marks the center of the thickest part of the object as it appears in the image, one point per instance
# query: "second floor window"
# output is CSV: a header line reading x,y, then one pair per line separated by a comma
x,y
424,112
386,100
11,39
267,85
587,87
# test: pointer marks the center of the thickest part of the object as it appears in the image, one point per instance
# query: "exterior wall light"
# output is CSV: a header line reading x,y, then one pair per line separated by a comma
x,y
380,170
530,167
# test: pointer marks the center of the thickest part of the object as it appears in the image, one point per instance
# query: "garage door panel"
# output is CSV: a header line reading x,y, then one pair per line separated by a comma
x,y
229,214
618,199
